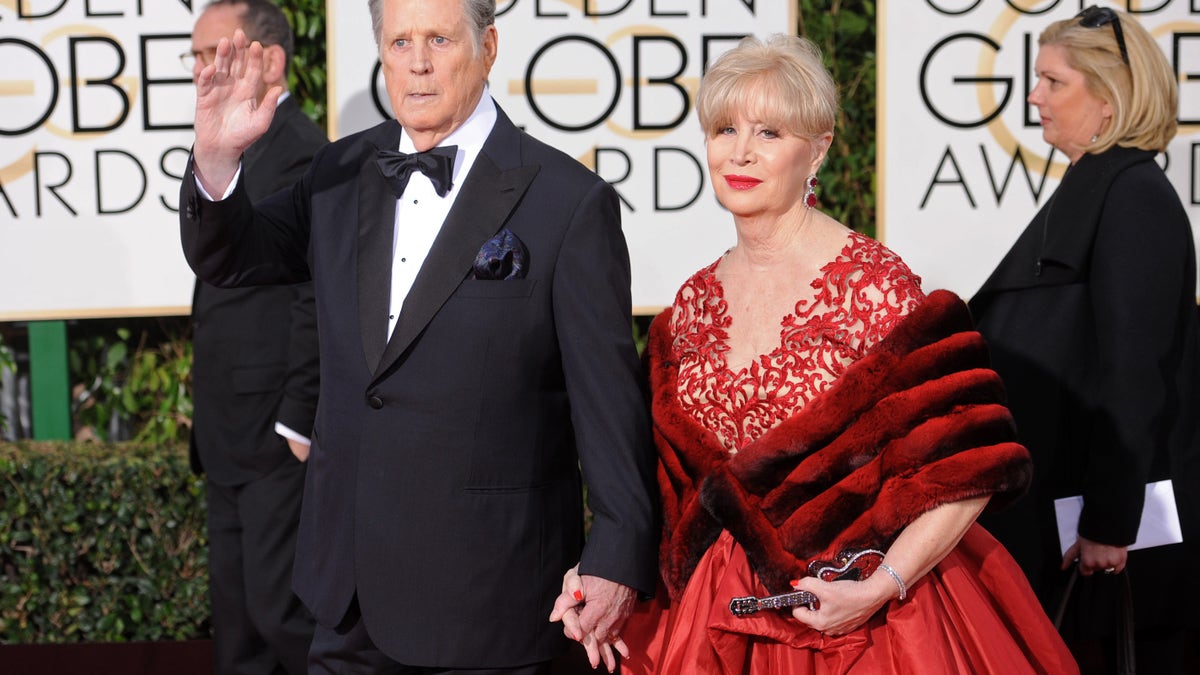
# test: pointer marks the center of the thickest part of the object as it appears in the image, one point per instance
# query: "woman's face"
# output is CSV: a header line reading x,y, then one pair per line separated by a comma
x,y
758,168
1071,115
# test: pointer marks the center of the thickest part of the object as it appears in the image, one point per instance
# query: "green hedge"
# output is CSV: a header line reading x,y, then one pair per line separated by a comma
x,y
101,543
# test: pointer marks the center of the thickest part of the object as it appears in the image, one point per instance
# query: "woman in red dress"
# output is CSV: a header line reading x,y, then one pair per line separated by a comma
x,y
810,400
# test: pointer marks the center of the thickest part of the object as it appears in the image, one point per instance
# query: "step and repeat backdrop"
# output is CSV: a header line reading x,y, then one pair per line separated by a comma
x,y
962,164
96,109
95,124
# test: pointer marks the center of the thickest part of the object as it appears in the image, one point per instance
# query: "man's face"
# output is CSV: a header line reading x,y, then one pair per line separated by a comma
x,y
214,23
433,71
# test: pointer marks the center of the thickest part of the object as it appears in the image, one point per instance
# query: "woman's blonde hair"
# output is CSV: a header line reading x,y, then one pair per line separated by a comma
x,y
1144,94
780,80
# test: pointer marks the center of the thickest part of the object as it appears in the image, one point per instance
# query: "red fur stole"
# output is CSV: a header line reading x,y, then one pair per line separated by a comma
x,y
918,422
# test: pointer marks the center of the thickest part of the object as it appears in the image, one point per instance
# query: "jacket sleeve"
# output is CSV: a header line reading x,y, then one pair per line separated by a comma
x,y
1139,268
592,308
291,154
298,408
232,242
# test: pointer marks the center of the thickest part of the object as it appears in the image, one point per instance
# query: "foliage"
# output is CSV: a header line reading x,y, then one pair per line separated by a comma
x,y
7,362
307,74
100,543
845,32
123,389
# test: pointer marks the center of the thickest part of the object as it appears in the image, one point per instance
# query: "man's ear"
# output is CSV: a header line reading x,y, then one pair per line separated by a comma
x,y
274,66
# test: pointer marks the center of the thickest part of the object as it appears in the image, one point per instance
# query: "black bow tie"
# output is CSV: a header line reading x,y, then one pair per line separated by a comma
x,y
436,163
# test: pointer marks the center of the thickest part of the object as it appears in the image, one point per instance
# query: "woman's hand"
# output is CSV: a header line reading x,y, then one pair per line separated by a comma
x,y
568,607
1096,557
845,605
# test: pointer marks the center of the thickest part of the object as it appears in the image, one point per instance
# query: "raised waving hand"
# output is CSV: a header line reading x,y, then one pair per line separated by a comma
x,y
231,111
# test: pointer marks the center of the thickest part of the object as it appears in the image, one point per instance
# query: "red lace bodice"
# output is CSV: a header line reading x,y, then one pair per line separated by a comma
x,y
857,299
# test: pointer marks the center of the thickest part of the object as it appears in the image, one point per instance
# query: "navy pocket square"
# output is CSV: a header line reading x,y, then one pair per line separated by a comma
x,y
501,258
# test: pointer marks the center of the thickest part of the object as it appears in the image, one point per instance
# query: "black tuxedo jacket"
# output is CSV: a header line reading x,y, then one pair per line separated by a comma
x,y
255,348
444,480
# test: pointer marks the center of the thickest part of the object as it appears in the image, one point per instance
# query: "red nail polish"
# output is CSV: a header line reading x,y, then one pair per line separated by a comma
x,y
578,595
794,582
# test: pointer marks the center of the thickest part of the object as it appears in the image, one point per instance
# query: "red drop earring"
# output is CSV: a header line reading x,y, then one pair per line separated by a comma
x,y
810,194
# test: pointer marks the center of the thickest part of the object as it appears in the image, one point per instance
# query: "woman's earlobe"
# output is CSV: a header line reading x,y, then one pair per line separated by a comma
x,y
826,143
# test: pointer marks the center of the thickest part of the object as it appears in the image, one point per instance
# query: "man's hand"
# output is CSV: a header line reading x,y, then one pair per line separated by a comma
x,y
606,605
229,114
593,611
299,450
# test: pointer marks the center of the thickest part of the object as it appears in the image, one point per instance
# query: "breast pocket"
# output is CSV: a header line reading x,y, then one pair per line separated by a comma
x,y
477,289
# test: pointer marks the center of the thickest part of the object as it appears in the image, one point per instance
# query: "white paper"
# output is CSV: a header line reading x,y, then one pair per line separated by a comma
x,y
1159,526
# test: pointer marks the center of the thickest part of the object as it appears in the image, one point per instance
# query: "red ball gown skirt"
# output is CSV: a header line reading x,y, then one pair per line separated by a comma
x,y
974,613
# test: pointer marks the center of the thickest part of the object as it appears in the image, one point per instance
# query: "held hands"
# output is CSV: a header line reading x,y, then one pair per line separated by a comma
x,y
593,611
229,113
1095,557
846,604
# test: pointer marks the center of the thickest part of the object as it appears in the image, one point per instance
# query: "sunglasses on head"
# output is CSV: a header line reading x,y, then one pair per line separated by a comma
x,y
1095,17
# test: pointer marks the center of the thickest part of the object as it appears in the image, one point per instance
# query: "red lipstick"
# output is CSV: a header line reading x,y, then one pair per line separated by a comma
x,y
741,182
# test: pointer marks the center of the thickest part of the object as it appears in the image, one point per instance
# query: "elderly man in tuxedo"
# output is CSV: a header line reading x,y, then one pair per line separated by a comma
x,y
473,308
254,380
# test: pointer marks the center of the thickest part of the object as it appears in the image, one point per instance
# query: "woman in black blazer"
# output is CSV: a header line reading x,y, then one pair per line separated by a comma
x,y
1091,318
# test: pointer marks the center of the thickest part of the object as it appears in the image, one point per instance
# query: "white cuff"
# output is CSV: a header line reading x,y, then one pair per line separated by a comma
x,y
228,190
283,430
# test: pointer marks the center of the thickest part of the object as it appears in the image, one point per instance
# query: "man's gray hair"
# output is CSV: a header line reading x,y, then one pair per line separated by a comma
x,y
480,14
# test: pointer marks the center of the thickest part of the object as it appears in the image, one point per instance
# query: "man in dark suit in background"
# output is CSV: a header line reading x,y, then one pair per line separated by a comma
x,y
255,380
476,352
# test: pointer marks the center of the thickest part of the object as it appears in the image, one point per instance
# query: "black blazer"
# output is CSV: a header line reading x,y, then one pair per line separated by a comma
x,y
444,480
255,348
1091,320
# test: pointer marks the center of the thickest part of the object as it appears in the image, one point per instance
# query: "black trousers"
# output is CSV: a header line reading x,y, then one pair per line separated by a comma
x,y
349,650
260,627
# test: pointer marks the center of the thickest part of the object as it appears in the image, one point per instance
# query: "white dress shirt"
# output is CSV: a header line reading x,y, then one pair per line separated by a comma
x,y
420,212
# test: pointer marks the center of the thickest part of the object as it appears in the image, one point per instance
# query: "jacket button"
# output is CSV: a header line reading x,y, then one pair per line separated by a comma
x,y
375,402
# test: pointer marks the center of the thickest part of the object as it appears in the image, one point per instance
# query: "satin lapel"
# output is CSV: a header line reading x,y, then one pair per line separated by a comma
x,y
481,209
376,223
